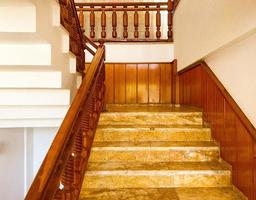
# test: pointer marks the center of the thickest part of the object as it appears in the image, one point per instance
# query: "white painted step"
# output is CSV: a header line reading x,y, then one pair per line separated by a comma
x,y
25,54
32,112
17,16
30,79
32,116
11,97
24,49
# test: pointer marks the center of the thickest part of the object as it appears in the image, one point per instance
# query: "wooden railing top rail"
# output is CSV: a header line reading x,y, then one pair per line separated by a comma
x,y
121,4
121,26
47,179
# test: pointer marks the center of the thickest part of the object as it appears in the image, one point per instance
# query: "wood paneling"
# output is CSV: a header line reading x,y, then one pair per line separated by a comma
x,y
119,83
142,83
139,83
166,83
131,83
110,82
154,83
230,127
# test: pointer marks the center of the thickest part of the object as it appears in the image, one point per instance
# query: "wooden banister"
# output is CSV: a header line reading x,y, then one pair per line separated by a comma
x,y
61,173
131,13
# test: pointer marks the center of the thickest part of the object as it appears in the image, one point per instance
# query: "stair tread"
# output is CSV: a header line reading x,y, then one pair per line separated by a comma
x,y
142,144
110,108
226,193
152,127
159,166
21,38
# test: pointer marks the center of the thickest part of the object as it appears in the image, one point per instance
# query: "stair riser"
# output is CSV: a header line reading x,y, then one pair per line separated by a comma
x,y
26,20
151,119
154,155
157,181
147,134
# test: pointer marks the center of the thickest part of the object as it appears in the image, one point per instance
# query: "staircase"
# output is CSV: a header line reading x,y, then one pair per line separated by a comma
x,y
37,70
156,152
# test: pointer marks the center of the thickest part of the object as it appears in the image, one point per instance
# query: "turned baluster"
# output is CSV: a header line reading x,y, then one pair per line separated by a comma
x,y
114,23
147,23
136,23
92,23
81,17
170,7
158,22
125,23
103,24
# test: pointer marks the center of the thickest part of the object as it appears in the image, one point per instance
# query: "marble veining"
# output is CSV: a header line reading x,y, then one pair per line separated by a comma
x,y
226,193
151,152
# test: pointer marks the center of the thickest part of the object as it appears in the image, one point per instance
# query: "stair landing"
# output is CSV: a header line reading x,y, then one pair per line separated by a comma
x,y
151,152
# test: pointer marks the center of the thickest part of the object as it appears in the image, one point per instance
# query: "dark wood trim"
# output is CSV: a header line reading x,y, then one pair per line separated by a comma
x,y
176,3
121,40
135,62
121,4
190,67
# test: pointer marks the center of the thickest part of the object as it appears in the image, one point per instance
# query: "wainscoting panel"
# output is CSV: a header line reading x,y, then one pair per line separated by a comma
x,y
139,83
230,127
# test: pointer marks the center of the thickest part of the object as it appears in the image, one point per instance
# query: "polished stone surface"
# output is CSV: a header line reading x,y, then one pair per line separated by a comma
x,y
175,174
160,133
154,151
162,194
150,108
150,115
151,118
147,152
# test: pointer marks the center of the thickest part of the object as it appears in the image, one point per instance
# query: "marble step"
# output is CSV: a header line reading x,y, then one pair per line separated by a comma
x,y
160,175
154,151
159,114
152,133
151,118
225,193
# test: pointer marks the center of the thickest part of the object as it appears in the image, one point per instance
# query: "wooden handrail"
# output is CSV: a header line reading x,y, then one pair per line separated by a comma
x,y
138,9
121,4
66,160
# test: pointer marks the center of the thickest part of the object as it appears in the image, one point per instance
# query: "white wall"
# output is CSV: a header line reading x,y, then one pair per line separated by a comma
x,y
223,33
235,66
22,151
12,164
203,26
42,140
137,52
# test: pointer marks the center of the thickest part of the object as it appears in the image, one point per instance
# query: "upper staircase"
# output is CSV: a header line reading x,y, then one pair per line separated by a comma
x,y
155,152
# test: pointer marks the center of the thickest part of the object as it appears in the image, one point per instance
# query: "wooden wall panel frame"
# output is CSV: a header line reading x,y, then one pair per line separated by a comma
x,y
230,126
140,83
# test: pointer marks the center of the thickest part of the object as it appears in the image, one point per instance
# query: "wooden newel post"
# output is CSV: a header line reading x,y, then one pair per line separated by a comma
x,y
103,24
114,23
158,23
92,23
170,19
125,23
136,23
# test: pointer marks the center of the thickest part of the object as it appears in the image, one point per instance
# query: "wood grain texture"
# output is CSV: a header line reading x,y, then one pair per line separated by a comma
x,y
198,86
131,83
143,83
139,83
119,83
109,71
154,83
